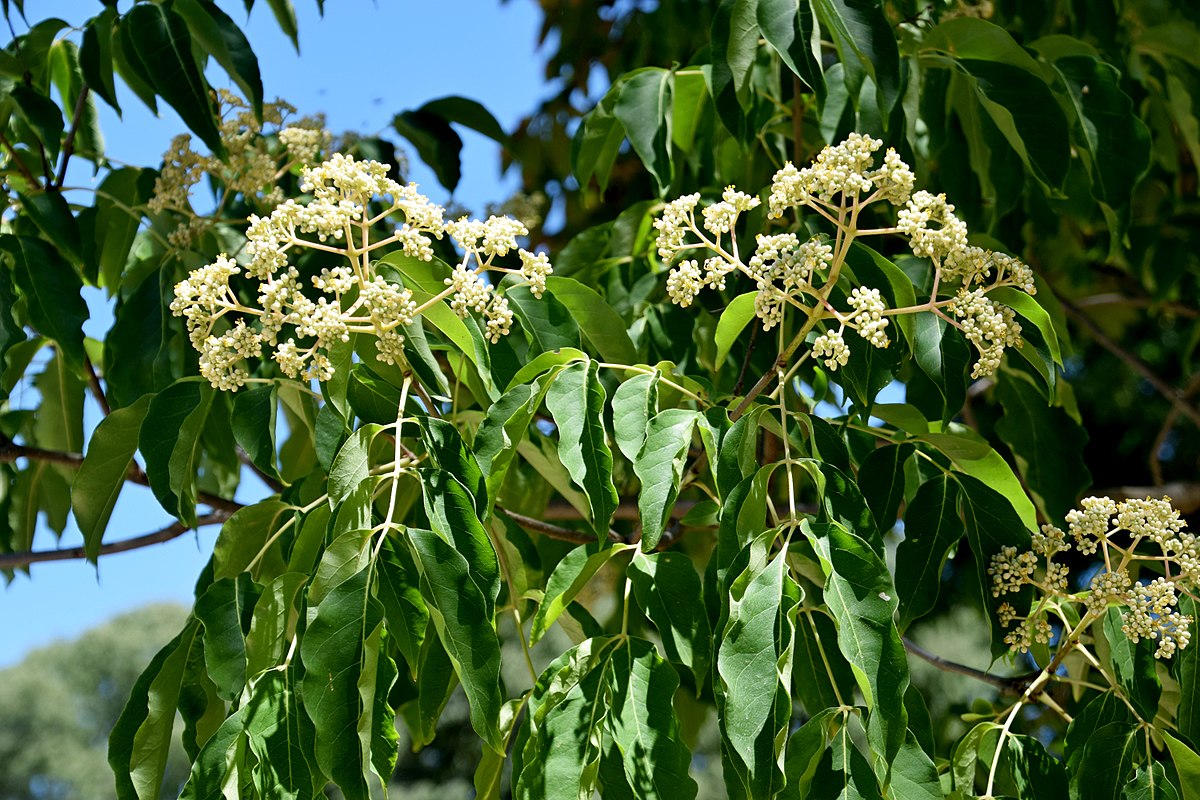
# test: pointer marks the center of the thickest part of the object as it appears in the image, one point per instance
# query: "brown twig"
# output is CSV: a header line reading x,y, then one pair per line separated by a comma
x,y
1173,395
172,531
69,143
1012,686
10,451
555,531
97,389
272,484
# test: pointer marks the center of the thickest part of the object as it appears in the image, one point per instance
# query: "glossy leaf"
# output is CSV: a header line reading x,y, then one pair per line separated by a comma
x,y
170,443
667,587
862,599
931,527
221,38
568,579
600,324
634,402
459,611
576,403
52,291
452,516
644,109
158,45
103,472
659,466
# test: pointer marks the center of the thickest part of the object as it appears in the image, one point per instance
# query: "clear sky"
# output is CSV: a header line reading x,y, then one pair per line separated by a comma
x,y
360,65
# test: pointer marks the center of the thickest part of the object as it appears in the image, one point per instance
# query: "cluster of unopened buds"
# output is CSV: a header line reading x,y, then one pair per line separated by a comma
x,y
801,274
258,154
1121,532
298,321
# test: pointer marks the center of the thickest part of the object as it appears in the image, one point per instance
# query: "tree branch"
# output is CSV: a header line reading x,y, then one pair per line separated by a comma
x,y
10,451
172,531
1012,686
16,159
1173,395
555,531
97,389
69,143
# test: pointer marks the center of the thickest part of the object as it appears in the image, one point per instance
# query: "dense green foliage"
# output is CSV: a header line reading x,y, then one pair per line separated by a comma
x,y
640,491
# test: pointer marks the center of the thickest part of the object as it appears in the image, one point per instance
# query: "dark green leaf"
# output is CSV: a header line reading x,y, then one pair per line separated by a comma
x,y
435,142
594,148
634,402
224,610
221,38
576,402
644,109
52,290
121,191
52,216
158,45
281,737
468,113
452,515
568,579
659,466
1187,764
255,410
170,443
861,597
931,527
548,323
96,56
42,115
667,587
862,32
244,538
350,466
881,479
602,326
449,450
788,26
1134,666
459,611
1108,760
104,470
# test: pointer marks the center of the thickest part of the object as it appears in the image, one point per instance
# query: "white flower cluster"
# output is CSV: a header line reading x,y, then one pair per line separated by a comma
x,y
1149,608
350,201
841,181
990,326
843,169
251,168
831,347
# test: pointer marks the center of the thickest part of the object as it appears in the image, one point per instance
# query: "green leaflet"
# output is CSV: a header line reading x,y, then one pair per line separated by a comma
x,y
138,745
734,47
600,324
643,108
633,403
991,524
453,517
157,43
733,321
605,696
217,763
245,535
931,527
1187,763
667,587
461,614
1107,761
881,479
273,623
596,142
51,288
170,443
567,580
754,672
341,651
506,426
398,589
218,34
102,474
351,465
255,410
659,466
224,610
576,402
861,597
864,36
281,736
1134,666
451,453
549,324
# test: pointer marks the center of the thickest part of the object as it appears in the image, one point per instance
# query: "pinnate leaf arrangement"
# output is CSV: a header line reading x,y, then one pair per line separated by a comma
x,y
683,514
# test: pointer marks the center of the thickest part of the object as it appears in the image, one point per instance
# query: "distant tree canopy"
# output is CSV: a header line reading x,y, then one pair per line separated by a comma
x,y
860,351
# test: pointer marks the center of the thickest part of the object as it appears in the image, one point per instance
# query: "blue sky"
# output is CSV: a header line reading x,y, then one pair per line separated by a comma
x,y
360,65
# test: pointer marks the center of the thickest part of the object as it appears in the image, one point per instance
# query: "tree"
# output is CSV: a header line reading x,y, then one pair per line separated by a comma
x,y
658,431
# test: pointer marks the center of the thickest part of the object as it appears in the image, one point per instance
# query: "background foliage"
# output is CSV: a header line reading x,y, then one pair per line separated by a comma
x,y
1064,132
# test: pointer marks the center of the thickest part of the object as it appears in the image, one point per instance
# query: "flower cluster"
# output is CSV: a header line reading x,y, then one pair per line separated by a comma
x,y
352,208
701,242
253,164
1118,531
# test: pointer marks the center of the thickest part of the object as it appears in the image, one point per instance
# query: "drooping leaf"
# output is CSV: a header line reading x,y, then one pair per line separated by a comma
x,y
452,516
158,45
667,587
52,291
281,736
567,580
931,527
255,410
634,402
600,324
576,402
644,109
170,443
221,38
459,612
224,609
862,599
659,466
